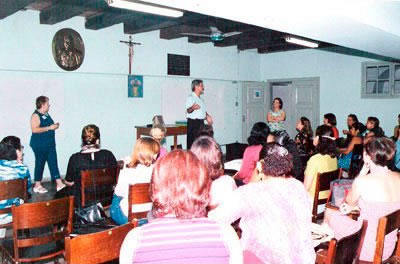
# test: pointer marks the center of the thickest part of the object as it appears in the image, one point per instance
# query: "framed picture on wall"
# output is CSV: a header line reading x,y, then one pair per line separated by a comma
x,y
135,86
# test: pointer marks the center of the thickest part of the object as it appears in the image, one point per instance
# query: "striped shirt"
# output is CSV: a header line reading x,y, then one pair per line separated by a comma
x,y
171,240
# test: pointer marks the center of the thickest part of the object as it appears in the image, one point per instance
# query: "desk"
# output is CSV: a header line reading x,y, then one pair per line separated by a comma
x,y
172,130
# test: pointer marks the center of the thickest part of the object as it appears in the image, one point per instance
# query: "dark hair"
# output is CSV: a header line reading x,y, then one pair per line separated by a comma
x,y
359,126
14,141
331,118
90,134
306,126
209,153
279,100
326,142
258,134
281,137
7,152
374,120
206,130
276,160
381,150
195,83
354,117
41,100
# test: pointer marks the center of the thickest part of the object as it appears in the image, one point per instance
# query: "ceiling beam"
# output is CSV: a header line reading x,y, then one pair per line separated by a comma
x,y
176,31
9,7
111,17
148,23
252,35
198,40
64,10
280,48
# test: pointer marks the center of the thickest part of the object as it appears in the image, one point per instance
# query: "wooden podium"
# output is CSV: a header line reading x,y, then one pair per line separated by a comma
x,y
172,130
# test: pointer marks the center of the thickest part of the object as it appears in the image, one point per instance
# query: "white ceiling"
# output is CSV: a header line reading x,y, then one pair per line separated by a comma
x,y
367,25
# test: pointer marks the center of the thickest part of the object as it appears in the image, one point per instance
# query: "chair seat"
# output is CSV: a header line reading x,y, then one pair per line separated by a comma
x,y
51,250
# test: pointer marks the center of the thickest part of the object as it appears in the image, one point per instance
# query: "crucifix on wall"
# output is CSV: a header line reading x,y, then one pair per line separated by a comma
x,y
130,43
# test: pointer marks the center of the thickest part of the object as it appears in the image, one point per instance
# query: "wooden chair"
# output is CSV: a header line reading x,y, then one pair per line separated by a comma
x,y
48,223
139,195
356,160
323,184
345,251
179,146
98,186
12,189
98,247
386,225
235,151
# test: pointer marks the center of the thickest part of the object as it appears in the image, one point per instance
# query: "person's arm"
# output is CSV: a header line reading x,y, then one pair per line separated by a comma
x,y
354,194
270,118
281,117
191,105
349,148
230,209
396,132
71,171
309,174
232,243
129,245
35,125
209,119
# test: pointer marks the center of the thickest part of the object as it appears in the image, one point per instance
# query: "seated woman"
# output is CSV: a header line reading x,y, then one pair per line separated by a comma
x,y
356,131
138,170
158,134
304,138
373,129
89,158
351,119
258,137
396,133
11,168
375,192
323,161
181,233
275,212
209,153
330,120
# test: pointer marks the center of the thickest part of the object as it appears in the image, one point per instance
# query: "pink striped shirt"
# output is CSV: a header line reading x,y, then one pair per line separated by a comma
x,y
171,240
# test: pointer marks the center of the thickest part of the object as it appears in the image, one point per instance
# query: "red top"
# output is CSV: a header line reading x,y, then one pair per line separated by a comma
x,y
335,132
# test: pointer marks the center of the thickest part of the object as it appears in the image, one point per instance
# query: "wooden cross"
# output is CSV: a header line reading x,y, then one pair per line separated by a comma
x,y
130,43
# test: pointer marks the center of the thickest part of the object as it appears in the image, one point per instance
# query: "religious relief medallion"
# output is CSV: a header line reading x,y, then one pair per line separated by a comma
x,y
68,49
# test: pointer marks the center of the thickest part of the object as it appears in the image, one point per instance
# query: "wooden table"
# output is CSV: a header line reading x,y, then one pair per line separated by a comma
x,y
172,130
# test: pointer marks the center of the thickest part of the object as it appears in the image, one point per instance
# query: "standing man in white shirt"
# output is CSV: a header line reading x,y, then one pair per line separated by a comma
x,y
196,112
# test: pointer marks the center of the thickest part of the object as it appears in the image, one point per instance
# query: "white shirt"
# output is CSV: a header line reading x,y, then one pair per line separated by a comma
x,y
199,113
140,174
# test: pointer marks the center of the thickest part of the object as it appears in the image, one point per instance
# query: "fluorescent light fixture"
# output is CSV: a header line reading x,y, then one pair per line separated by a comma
x,y
301,42
158,10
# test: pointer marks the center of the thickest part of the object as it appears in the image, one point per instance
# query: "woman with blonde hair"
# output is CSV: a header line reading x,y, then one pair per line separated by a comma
x,y
139,170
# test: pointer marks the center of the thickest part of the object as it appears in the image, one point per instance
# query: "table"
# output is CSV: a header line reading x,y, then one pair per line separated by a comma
x,y
172,130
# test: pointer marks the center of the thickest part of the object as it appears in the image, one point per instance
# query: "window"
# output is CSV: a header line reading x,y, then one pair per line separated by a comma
x,y
380,80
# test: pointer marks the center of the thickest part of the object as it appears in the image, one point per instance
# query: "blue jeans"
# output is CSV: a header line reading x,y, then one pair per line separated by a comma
x,y
42,156
115,211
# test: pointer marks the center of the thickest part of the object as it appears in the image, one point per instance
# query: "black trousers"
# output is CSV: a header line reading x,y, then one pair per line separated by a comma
x,y
194,127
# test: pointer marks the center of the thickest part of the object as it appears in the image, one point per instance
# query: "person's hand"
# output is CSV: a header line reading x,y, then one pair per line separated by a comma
x,y
365,169
54,126
195,107
345,209
209,120
346,132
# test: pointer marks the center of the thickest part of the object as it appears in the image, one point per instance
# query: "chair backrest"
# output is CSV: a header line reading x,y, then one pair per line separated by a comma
x,y
179,146
96,248
139,200
56,214
323,182
348,249
235,151
13,189
98,186
386,225
356,160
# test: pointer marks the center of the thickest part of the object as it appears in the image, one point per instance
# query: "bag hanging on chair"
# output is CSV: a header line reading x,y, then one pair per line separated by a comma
x,y
339,190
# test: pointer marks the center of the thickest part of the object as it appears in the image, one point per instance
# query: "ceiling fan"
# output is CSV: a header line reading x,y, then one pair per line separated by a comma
x,y
215,35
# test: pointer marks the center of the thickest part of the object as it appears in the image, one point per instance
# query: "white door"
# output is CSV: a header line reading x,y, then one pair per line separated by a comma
x,y
300,98
256,102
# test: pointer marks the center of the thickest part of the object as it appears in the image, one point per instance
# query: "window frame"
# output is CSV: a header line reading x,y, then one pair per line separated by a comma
x,y
391,80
